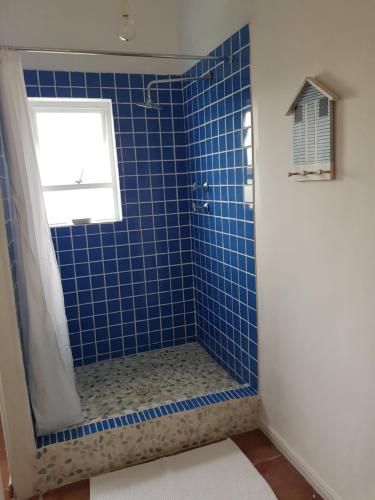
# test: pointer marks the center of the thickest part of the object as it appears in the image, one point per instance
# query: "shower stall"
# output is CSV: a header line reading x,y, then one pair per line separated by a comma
x,y
161,305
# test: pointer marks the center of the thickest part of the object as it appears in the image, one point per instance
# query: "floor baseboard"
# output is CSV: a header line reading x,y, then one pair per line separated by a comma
x,y
303,468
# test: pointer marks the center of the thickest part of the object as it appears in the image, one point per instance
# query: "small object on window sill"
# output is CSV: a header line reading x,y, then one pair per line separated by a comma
x,y
79,222
80,180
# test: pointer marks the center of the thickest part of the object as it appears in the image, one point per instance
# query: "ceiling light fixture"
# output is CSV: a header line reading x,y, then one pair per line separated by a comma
x,y
127,25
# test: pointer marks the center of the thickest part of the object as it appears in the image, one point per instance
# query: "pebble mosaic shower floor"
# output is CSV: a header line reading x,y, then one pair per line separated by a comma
x,y
125,385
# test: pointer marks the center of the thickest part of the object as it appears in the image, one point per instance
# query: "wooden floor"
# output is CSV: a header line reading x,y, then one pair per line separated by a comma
x,y
283,478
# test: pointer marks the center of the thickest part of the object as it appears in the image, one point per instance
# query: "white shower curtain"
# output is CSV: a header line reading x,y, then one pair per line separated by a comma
x,y
48,357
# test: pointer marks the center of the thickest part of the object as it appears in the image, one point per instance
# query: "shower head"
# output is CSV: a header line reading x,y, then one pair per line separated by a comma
x,y
148,104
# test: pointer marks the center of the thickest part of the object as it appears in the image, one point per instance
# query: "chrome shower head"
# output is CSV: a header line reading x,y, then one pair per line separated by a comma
x,y
148,104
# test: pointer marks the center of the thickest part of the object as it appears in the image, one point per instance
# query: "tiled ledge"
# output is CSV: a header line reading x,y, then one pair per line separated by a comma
x,y
69,461
143,416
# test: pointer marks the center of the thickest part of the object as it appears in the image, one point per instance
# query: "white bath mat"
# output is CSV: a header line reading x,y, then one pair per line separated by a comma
x,y
219,471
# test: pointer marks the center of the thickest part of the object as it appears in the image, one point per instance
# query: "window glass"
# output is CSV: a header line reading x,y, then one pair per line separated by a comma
x,y
97,204
77,159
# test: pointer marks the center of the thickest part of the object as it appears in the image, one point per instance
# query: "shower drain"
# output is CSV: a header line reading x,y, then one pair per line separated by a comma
x,y
143,391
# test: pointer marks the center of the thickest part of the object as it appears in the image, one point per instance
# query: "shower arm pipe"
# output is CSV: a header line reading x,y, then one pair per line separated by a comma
x,y
207,76
228,58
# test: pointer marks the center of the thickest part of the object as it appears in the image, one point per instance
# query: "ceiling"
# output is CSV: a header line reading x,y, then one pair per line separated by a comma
x,y
91,24
165,26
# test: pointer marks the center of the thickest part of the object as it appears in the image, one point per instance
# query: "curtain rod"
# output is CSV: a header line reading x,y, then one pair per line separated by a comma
x,y
228,58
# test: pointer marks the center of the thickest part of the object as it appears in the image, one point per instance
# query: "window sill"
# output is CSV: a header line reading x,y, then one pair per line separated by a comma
x,y
93,222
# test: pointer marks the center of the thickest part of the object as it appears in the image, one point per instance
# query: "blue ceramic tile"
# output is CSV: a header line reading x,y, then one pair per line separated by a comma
x,y
46,78
92,80
31,77
47,92
33,91
107,79
77,79
122,80
62,79
147,262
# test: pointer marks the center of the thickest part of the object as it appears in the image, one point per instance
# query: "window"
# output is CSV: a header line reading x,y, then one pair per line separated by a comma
x,y
298,114
77,159
323,107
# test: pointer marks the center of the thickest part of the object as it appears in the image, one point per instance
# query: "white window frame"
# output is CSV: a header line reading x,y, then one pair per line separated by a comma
x,y
68,105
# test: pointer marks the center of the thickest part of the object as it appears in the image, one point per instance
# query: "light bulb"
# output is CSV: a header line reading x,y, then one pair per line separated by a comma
x,y
127,28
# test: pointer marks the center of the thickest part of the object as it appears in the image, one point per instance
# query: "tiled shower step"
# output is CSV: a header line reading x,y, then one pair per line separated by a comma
x,y
119,442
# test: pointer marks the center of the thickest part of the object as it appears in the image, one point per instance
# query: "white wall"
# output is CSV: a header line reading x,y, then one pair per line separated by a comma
x,y
315,241
91,24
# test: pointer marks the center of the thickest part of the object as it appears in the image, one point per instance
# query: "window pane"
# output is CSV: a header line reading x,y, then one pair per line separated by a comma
x,y
63,206
72,143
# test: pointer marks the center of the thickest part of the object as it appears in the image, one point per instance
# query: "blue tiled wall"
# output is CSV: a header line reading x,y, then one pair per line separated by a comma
x,y
218,129
165,274
128,286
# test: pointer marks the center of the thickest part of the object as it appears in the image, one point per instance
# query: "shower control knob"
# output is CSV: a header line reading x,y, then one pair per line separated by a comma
x,y
206,186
